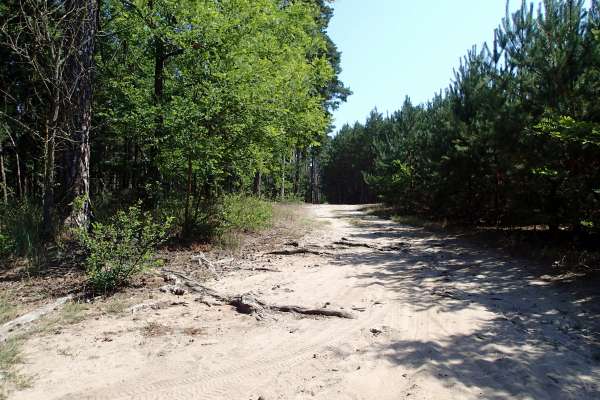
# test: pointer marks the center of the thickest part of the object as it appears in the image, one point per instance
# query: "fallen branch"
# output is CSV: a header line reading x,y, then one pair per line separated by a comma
x,y
299,250
313,311
247,303
262,269
401,248
203,261
349,243
354,244
183,280
451,294
8,328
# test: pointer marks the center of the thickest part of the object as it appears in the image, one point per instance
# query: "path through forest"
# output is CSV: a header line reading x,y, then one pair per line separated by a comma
x,y
435,318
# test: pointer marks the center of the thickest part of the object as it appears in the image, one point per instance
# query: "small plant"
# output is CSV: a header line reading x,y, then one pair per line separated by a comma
x,y
122,248
7,310
6,245
154,329
73,312
10,356
116,307
20,230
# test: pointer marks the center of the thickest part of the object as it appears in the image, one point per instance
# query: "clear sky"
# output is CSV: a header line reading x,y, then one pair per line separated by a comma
x,y
394,48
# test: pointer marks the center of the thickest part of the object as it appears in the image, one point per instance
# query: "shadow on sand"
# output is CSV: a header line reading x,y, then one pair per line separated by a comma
x,y
546,331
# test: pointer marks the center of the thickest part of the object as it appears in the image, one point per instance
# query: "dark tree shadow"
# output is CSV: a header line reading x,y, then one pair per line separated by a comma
x,y
546,331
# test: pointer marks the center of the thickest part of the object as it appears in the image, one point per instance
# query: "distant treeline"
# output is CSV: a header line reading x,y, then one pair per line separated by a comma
x,y
514,140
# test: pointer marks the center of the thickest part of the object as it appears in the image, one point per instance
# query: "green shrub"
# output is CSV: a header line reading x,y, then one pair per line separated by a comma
x,y
240,213
6,245
122,248
20,229
235,215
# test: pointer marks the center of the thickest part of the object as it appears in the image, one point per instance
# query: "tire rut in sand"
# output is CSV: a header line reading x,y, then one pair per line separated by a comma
x,y
232,377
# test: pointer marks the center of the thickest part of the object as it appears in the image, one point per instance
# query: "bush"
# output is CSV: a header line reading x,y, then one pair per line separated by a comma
x,y
6,245
20,229
122,248
240,213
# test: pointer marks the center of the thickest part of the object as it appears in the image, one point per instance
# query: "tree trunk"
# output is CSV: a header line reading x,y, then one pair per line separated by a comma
x,y
80,69
282,178
315,197
19,179
297,157
162,54
188,198
3,173
312,177
257,183
18,162
48,184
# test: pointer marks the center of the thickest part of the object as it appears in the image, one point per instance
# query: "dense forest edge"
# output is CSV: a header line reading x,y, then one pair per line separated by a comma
x,y
513,142
129,123
150,149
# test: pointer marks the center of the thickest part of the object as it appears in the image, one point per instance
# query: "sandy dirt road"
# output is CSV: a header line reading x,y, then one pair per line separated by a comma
x,y
436,318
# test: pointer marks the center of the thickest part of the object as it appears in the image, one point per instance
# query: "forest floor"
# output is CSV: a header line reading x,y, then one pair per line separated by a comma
x,y
435,317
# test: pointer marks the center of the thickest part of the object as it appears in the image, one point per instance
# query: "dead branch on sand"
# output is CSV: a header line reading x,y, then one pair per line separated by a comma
x,y
246,303
299,250
10,328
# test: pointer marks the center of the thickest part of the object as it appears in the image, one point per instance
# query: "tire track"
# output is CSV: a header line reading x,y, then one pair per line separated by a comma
x,y
231,379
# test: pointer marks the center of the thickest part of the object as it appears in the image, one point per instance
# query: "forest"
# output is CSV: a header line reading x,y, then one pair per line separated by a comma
x,y
513,141
180,116
180,217
170,106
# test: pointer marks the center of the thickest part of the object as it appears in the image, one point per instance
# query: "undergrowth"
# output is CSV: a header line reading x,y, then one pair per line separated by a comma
x,y
10,354
245,214
122,248
7,310
21,232
239,215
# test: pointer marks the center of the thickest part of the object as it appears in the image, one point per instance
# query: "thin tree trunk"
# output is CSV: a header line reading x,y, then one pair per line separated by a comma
x,y
18,162
312,177
282,178
48,184
159,66
3,173
81,66
317,181
188,196
19,183
257,183
297,156
161,57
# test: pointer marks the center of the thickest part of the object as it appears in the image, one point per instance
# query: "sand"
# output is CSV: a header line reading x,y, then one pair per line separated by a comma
x,y
435,318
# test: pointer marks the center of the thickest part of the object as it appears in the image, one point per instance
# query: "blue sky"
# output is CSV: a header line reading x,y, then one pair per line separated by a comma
x,y
394,48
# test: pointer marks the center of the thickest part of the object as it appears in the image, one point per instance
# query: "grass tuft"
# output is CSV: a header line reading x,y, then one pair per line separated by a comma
x,y
73,312
7,310
10,378
116,307
154,329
